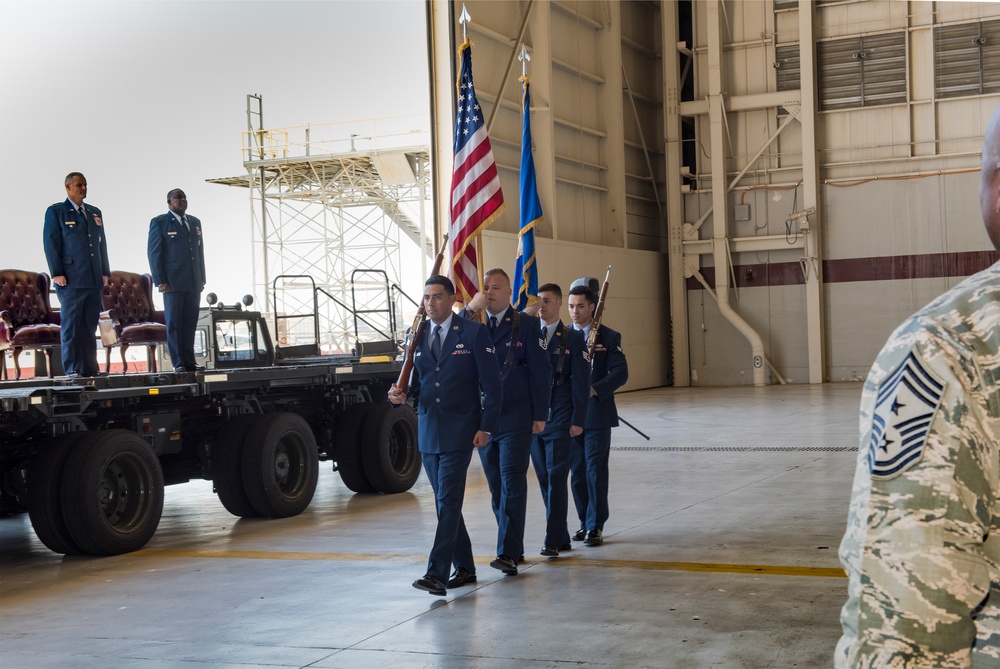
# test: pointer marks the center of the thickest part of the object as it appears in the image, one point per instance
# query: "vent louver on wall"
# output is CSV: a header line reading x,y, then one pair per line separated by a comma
x,y
862,71
967,59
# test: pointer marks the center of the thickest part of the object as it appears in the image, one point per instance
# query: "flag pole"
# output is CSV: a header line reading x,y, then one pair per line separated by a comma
x,y
510,64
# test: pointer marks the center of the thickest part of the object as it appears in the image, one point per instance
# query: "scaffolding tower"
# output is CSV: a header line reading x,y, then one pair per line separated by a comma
x,y
325,202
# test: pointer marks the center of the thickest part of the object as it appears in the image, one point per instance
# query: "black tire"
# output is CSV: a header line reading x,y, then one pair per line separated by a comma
x,y
45,493
280,464
389,447
112,493
347,447
227,466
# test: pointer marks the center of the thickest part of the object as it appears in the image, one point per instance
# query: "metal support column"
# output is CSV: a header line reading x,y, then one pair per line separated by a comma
x,y
681,358
720,214
813,253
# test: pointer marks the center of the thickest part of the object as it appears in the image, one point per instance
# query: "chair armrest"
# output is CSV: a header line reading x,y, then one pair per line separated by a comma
x,y
6,331
108,325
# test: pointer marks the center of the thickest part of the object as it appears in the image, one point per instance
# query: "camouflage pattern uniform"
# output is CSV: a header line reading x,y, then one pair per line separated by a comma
x,y
922,548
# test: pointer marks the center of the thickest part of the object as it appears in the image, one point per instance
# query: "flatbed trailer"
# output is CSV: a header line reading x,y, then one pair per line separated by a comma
x,y
89,458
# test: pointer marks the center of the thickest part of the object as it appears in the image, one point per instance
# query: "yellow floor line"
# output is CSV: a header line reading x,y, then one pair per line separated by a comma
x,y
565,561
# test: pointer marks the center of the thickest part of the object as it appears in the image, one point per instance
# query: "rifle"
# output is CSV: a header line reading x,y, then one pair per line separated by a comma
x,y
592,338
595,325
417,329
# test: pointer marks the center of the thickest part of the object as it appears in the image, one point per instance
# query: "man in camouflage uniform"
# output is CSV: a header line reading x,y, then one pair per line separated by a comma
x,y
922,548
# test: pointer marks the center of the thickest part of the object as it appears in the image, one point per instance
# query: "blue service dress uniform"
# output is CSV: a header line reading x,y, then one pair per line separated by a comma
x,y
76,248
589,461
507,456
550,450
177,257
458,394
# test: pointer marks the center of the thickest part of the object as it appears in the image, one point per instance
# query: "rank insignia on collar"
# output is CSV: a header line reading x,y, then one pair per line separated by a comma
x,y
907,401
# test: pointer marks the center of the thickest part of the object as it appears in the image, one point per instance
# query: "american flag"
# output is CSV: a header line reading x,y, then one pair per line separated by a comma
x,y
476,198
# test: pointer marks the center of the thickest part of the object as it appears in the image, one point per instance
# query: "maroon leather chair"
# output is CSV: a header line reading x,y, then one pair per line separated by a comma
x,y
129,318
26,317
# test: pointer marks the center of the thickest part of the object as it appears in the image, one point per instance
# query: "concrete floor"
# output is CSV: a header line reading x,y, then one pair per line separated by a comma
x,y
721,552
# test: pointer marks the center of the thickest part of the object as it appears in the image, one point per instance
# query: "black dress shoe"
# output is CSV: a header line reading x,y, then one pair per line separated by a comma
x,y
580,535
460,578
505,564
180,369
566,547
431,585
549,551
520,559
198,368
594,538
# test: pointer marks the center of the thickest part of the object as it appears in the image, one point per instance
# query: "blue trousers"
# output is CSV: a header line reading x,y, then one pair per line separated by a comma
x,y
589,472
447,473
181,309
505,462
550,452
79,311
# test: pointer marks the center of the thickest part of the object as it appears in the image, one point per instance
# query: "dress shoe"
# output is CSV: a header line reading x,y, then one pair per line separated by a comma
x,y
566,547
180,369
594,538
520,559
460,578
505,564
431,585
549,551
198,368
580,535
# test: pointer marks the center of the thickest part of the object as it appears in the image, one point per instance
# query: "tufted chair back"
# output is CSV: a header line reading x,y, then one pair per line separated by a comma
x,y
26,317
24,296
129,317
131,296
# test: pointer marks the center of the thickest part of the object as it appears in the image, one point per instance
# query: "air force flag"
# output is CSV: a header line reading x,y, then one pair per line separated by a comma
x,y
906,404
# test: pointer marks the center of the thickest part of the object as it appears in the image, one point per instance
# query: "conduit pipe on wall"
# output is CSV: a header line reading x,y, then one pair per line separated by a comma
x,y
716,110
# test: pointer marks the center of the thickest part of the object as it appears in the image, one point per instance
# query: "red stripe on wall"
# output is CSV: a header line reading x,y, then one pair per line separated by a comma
x,y
885,268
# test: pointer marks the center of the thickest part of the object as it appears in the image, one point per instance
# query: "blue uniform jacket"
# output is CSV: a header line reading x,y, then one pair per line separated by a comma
x,y
74,248
609,373
176,255
529,381
569,397
460,393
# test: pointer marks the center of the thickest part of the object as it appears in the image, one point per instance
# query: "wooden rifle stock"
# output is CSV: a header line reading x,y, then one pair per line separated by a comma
x,y
595,325
417,329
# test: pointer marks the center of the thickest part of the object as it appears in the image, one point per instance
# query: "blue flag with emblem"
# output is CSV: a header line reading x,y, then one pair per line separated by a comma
x,y
526,268
905,406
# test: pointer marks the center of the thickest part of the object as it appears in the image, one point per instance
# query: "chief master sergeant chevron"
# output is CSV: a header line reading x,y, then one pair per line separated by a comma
x,y
922,547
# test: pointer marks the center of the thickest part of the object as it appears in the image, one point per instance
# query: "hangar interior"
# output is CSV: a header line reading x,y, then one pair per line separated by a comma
x,y
841,198
845,199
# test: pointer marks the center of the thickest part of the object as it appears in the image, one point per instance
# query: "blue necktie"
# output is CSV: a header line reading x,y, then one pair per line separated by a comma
x,y
493,324
436,342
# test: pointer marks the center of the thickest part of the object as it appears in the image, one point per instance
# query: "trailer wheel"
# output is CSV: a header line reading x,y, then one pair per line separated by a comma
x,y
347,447
44,493
227,466
280,464
389,447
112,493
